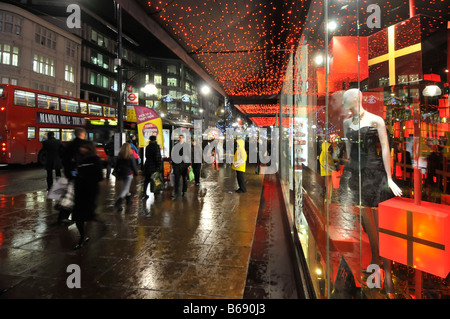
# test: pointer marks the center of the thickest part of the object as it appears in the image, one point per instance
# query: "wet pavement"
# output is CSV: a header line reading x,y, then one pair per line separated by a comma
x,y
200,246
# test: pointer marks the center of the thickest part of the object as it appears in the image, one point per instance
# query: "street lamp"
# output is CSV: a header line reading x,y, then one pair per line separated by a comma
x,y
150,88
205,90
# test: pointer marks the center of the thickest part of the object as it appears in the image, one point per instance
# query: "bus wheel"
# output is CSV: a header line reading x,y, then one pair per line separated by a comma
x,y
42,158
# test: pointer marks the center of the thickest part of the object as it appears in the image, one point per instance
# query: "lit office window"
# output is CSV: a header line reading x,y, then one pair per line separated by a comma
x,y
172,82
9,55
157,79
43,65
69,74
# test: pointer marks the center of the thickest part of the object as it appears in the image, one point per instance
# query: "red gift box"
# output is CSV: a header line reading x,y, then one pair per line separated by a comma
x,y
348,61
404,52
415,235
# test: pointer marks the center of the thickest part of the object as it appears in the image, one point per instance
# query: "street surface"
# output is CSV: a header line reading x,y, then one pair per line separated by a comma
x,y
19,179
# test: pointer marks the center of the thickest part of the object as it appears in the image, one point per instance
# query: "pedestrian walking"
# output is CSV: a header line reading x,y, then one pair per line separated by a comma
x,y
135,149
53,149
239,164
215,154
126,169
197,161
71,154
109,150
153,163
70,160
89,174
181,170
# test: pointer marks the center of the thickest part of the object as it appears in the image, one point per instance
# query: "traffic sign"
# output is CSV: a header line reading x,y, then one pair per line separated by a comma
x,y
132,98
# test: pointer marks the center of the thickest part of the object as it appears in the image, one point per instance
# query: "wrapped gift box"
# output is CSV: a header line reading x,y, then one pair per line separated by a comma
x,y
415,235
404,52
348,61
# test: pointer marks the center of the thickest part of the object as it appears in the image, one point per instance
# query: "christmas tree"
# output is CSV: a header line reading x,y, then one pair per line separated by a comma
x,y
227,116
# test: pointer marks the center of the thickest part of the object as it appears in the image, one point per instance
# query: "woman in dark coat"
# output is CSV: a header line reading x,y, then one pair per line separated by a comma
x,y
89,174
153,163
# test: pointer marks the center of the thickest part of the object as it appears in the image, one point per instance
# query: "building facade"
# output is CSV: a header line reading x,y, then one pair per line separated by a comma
x,y
37,54
40,51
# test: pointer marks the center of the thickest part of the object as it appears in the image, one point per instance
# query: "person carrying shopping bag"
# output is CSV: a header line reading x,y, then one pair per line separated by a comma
x,y
240,158
153,163
89,175
124,170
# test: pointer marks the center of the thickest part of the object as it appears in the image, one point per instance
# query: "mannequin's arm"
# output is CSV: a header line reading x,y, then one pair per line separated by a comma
x,y
386,155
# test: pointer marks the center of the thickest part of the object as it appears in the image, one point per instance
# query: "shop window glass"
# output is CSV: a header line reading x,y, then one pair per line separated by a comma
x,y
367,120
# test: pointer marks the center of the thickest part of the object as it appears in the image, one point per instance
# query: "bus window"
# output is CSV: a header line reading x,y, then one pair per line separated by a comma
x,y
67,135
48,102
95,110
1,90
24,98
43,132
31,132
109,111
83,107
69,105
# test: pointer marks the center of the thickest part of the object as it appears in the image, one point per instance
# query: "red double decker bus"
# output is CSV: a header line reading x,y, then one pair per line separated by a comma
x,y
27,115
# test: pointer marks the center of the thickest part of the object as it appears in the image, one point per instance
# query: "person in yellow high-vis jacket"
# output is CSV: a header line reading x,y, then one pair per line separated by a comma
x,y
240,158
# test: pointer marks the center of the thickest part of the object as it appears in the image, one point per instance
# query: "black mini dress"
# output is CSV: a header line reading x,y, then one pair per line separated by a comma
x,y
365,156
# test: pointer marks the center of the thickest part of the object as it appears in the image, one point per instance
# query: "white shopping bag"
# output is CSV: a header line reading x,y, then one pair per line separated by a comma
x,y
58,188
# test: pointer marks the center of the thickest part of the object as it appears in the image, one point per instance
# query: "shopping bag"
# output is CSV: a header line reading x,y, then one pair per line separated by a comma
x,y
67,200
58,188
191,174
157,184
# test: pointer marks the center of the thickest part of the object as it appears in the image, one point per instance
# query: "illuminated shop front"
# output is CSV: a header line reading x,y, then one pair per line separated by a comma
x,y
364,149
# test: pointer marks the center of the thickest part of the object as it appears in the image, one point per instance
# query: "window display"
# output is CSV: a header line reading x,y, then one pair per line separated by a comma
x,y
368,180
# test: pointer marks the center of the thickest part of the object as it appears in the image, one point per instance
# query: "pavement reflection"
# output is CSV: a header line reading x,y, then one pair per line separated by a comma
x,y
196,246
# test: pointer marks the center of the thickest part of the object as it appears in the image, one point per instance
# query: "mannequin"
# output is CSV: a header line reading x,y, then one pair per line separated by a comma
x,y
370,157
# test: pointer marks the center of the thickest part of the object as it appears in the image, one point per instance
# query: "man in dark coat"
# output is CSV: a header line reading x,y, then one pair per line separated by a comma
x,y
53,149
153,162
71,154
70,159
197,153
181,170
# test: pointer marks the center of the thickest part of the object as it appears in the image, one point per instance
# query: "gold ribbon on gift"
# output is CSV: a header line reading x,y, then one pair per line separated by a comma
x,y
392,54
